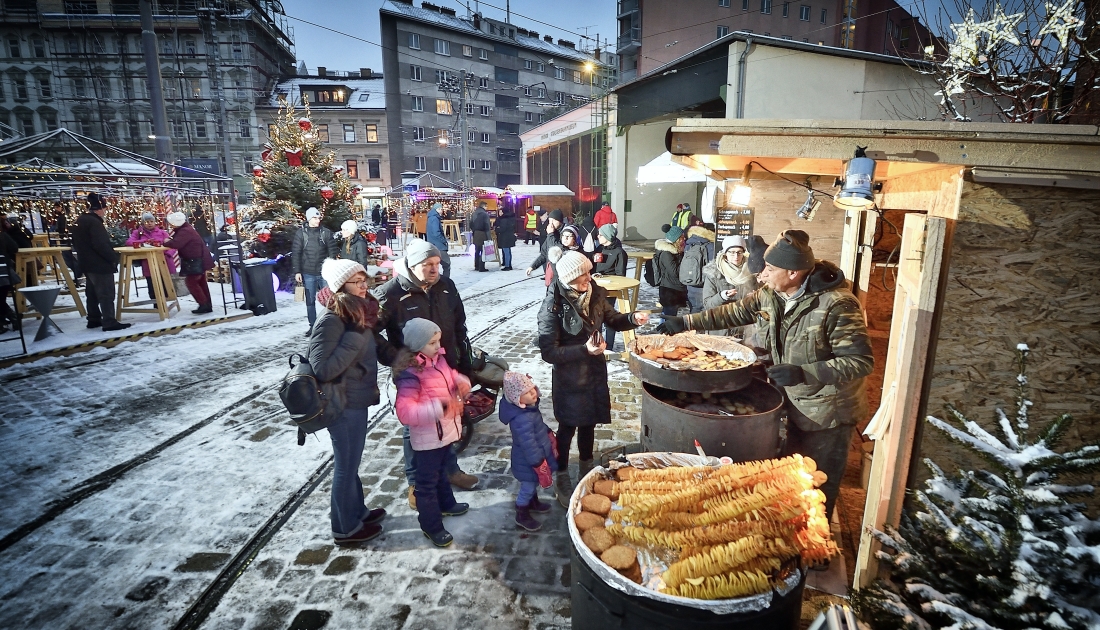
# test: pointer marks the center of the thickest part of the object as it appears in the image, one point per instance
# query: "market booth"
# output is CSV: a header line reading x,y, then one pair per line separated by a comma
x,y
970,238
546,196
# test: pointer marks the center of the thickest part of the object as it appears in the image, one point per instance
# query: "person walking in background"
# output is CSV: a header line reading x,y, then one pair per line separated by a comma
x,y
682,218
552,239
197,219
149,233
420,223
8,250
572,314
531,227
606,216
666,270
533,444
437,237
99,261
430,396
354,246
697,236
195,260
311,246
342,352
728,278
376,214
480,226
506,236
64,239
609,260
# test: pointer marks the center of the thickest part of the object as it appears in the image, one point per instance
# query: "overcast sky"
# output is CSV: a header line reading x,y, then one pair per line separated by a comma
x,y
319,47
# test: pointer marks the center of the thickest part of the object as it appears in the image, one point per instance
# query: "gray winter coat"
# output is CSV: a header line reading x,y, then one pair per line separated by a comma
x,y
714,283
336,351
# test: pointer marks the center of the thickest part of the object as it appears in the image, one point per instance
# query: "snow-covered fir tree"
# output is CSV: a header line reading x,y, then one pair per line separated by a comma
x,y
998,548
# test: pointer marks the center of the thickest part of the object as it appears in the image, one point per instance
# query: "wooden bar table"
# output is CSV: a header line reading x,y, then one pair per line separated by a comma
x,y
164,292
640,259
40,240
620,288
27,257
452,232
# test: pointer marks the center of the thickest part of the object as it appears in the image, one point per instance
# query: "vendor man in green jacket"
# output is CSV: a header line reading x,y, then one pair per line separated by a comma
x,y
813,328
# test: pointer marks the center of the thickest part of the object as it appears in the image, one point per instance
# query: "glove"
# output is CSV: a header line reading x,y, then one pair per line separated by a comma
x,y
543,471
553,443
672,325
786,375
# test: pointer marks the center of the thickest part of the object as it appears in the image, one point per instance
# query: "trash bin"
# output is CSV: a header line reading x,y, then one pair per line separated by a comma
x,y
259,292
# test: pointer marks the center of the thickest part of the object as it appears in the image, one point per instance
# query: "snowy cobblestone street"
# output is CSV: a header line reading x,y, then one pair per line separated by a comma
x,y
133,476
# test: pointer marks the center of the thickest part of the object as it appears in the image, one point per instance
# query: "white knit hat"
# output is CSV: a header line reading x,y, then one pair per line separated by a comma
x,y
176,219
311,213
734,241
349,226
571,266
336,272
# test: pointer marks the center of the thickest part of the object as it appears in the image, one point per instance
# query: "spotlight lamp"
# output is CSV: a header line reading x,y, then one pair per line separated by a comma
x,y
809,207
742,192
858,187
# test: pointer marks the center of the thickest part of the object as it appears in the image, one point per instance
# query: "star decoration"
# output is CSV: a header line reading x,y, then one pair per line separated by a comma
x,y
1002,28
1061,22
954,85
964,49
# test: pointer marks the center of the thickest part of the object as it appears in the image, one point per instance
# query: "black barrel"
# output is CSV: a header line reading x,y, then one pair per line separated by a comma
x,y
597,606
666,427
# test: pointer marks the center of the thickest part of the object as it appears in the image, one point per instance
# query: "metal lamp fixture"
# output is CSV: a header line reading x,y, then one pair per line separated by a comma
x,y
858,191
742,192
809,207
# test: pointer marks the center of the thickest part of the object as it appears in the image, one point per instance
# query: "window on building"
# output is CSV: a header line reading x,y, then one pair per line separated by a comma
x,y
195,87
415,73
804,13
414,41
20,85
559,73
418,103
542,118
467,51
134,129
473,165
98,46
442,76
45,90
190,48
786,9
540,67
121,45
442,47
13,47
84,125
236,50
81,7
723,3
421,164
469,108
744,5
723,31
486,110
787,37
443,137
418,134
486,165
484,138
200,129
72,45
528,116
471,137
483,83
374,168
824,16
240,92
443,106
559,97
528,64
322,132
167,47
352,168
349,133
372,133
103,87
49,120
78,87
482,54
178,128
542,92
576,76
446,165
903,38
244,127
527,90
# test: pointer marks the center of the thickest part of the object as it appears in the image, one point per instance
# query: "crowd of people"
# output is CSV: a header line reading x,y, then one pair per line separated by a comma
x,y
796,311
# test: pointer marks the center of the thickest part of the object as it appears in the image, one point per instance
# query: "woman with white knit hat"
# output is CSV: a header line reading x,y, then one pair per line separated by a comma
x,y
573,313
342,350
195,259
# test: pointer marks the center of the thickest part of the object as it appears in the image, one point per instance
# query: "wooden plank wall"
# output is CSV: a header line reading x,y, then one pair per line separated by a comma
x,y
775,201
1024,267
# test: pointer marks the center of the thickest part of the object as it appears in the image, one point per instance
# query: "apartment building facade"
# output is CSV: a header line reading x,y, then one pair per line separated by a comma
x,y
79,65
517,80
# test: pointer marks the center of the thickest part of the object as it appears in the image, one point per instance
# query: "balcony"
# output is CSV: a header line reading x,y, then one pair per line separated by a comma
x,y
626,7
630,40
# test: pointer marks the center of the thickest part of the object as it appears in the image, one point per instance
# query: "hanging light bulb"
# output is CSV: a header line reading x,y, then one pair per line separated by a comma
x,y
742,192
858,190
809,207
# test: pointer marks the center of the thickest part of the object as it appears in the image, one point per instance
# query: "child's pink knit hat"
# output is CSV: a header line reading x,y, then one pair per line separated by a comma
x,y
515,385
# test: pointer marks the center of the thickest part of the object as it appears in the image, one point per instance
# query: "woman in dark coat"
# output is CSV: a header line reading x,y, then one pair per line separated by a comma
x,y
609,260
195,260
506,236
666,267
574,308
354,246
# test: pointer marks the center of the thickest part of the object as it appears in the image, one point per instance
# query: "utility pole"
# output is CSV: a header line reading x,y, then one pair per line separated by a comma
x,y
218,93
162,140
464,123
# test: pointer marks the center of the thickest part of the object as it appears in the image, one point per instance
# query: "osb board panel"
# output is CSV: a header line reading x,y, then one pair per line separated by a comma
x,y
1024,267
774,203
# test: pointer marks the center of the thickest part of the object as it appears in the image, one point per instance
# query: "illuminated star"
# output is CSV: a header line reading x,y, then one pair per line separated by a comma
x,y
964,49
954,85
1002,28
1060,22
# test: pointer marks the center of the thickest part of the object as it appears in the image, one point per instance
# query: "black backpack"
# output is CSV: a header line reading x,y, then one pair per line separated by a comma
x,y
691,265
647,273
313,405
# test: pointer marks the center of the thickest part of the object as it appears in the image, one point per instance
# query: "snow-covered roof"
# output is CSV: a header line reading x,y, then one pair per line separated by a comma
x,y
539,189
363,93
463,25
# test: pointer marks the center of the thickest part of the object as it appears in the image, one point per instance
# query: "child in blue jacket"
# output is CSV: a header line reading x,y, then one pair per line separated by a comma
x,y
534,456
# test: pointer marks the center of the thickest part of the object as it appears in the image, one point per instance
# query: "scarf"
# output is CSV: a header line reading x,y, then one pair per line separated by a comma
x,y
734,275
581,300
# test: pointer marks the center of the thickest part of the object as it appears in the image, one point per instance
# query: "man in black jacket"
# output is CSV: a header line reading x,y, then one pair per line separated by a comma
x,y
480,226
98,260
312,245
418,289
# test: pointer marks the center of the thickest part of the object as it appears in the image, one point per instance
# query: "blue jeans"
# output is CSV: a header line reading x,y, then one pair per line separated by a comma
x,y
450,464
506,256
433,491
348,435
313,284
527,491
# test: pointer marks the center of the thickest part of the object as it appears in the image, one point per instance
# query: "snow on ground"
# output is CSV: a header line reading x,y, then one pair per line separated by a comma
x,y
140,551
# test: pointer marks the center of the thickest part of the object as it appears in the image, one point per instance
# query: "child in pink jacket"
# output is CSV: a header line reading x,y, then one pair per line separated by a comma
x,y
429,401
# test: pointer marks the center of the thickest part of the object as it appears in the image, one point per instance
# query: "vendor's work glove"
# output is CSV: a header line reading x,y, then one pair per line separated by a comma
x,y
671,325
786,375
543,471
553,443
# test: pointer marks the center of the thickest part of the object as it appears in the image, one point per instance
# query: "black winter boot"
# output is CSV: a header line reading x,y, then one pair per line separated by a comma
x,y
525,520
537,506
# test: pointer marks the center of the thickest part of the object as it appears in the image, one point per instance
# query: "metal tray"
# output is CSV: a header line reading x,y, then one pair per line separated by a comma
x,y
690,380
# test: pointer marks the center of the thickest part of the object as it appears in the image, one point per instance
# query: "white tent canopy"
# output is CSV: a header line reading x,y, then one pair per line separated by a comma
x,y
532,190
662,170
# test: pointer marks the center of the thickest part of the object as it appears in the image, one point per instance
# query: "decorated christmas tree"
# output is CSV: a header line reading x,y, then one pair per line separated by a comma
x,y
297,173
997,548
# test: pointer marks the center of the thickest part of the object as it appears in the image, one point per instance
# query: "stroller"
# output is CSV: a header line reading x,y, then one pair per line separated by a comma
x,y
487,381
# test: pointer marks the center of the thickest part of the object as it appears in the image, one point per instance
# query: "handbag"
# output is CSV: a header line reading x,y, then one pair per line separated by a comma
x,y
299,292
191,266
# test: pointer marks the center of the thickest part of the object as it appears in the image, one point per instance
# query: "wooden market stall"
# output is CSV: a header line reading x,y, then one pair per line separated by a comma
x,y
997,243
410,204
546,196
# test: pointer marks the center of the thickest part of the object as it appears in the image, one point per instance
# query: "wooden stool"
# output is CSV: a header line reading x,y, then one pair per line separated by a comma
x,y
164,291
27,258
620,288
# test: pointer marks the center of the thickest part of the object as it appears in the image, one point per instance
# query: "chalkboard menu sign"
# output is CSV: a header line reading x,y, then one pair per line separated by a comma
x,y
735,221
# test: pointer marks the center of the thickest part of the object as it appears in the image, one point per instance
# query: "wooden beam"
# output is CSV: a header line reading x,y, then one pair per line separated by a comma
x,y
931,191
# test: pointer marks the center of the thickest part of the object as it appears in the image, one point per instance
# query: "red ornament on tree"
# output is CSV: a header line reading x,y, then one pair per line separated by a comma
x,y
293,157
305,124
265,154
257,171
326,192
